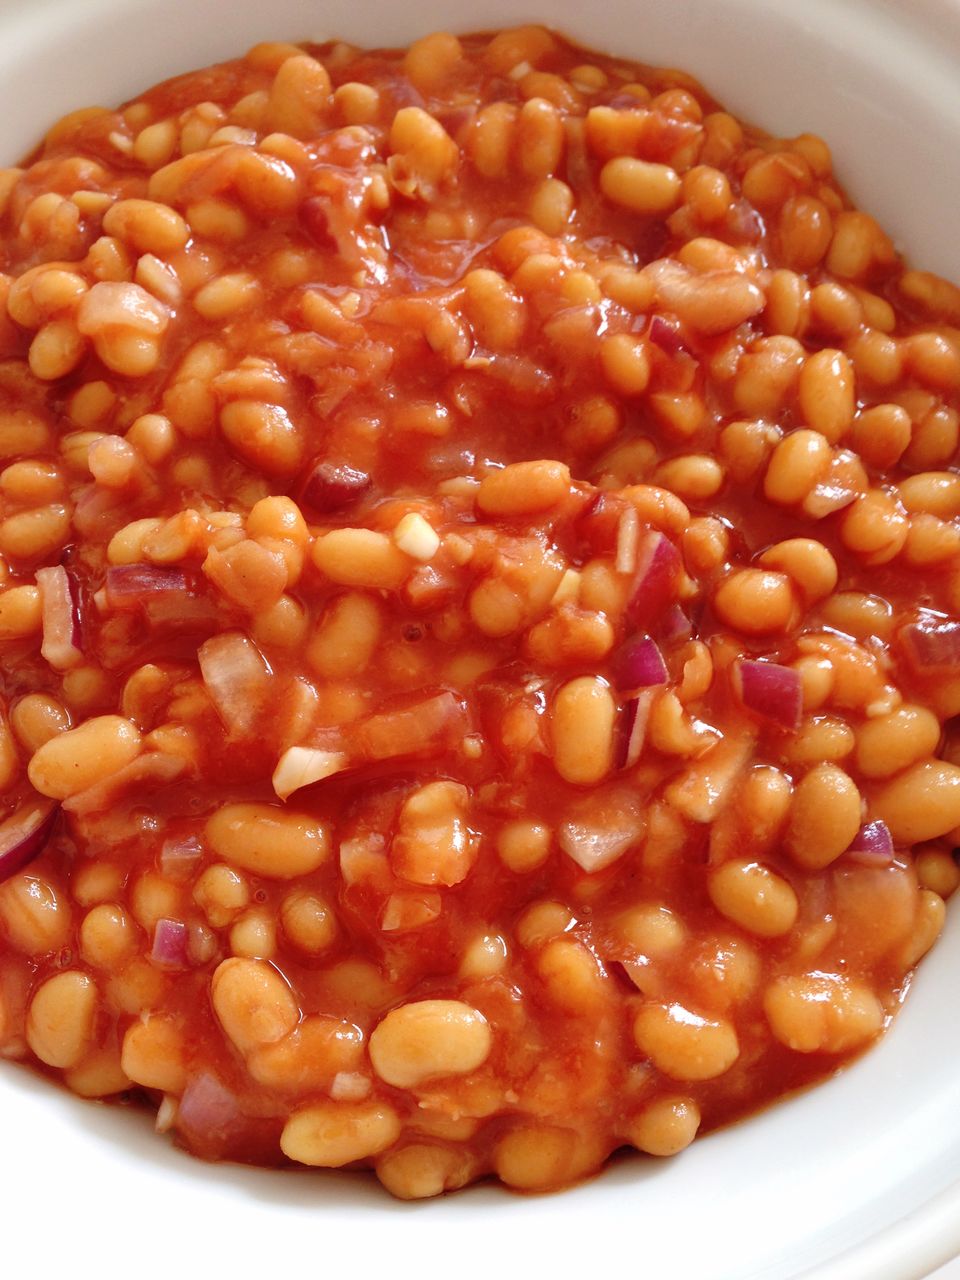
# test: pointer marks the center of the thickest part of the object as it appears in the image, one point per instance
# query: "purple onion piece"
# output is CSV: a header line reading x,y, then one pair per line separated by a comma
x,y
656,580
631,730
771,691
593,848
130,586
61,645
169,950
666,335
238,679
178,858
333,486
208,1110
932,645
312,216
872,845
640,664
674,624
24,835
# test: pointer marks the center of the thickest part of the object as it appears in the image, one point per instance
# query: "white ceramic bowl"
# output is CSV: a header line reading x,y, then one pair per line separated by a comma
x,y
856,1180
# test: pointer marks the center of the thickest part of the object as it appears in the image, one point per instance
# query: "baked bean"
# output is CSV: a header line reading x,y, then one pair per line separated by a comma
x,y
262,434
539,138
523,845
583,722
755,601
331,1134
421,1170
767,374
268,840
531,1158
36,916
427,1040
496,314
108,937
221,893
824,816
77,758
797,464
874,526
665,1127
523,487
20,612
937,871
346,639
570,975
928,926
685,1045
754,897
826,394
887,744
625,363
253,1003
35,534
921,803
809,564
640,186
819,739
148,227
60,1021
820,1013
361,558
485,957
932,492
155,1054
805,230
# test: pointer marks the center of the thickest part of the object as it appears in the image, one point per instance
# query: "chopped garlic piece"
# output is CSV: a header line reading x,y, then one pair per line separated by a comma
x,y
417,537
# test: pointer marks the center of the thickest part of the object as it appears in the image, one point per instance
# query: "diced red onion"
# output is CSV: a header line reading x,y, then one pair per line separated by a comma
x,y
130,586
872,845
312,215
150,769
640,664
594,847
744,223
626,102
932,645
599,525
60,601
178,858
771,691
238,679
657,579
188,610
169,950
666,335
94,511
331,486
24,835
208,1110
631,730
628,541
674,624
431,725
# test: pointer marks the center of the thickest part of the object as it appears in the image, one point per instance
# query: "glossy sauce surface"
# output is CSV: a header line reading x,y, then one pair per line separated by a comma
x,y
481,568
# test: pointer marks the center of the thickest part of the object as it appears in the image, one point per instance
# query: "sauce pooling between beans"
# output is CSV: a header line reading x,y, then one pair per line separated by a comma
x,y
480,614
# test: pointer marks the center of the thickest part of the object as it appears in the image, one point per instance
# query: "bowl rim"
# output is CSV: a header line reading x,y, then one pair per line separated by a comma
x,y
911,1245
